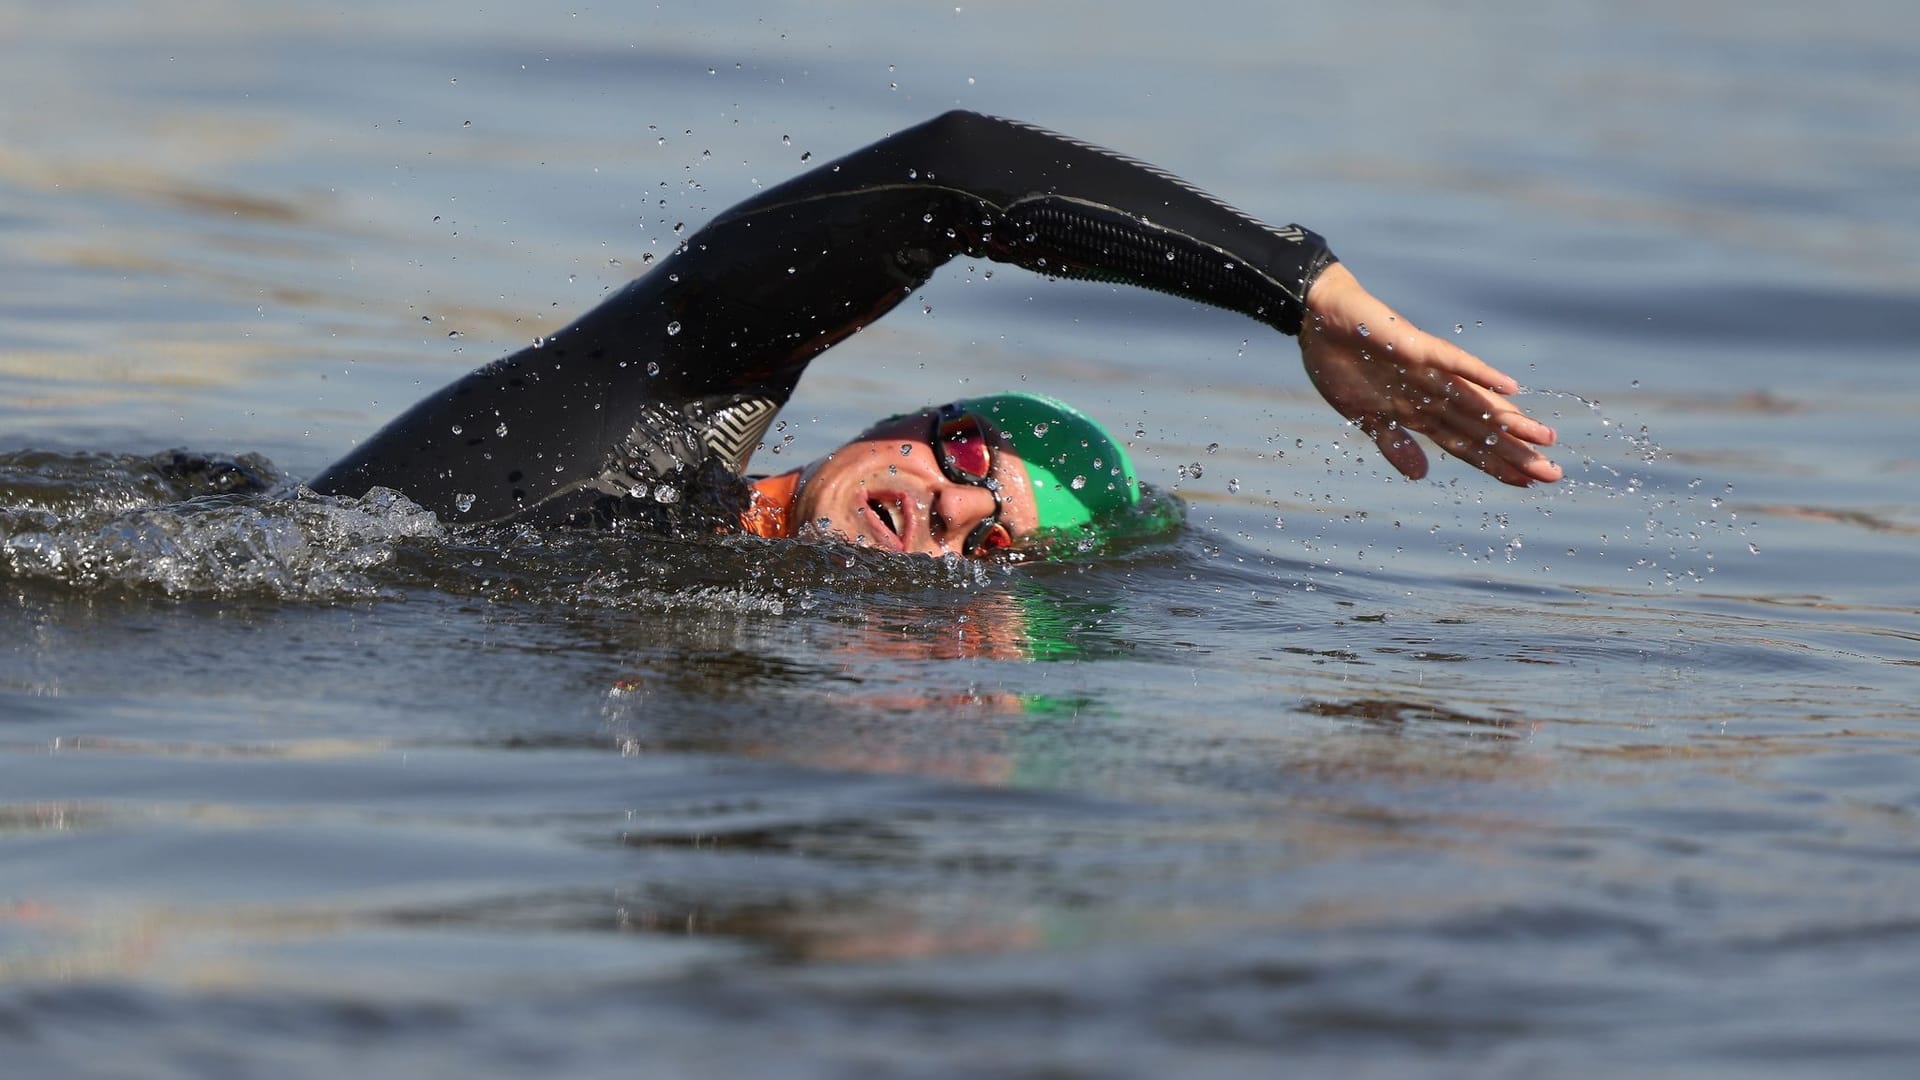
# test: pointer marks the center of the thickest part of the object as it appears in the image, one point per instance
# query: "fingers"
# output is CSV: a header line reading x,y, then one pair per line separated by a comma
x,y
1522,426
1488,446
1481,412
1486,431
1498,454
1401,450
1478,425
1421,383
1454,360
1504,458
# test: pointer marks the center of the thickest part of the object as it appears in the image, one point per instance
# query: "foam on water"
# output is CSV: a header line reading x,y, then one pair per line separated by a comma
x,y
94,522
192,525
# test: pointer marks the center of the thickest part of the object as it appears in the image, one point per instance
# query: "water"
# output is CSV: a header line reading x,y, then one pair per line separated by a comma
x,y
1356,774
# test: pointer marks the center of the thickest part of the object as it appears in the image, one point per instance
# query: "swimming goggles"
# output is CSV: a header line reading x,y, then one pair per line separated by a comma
x,y
965,454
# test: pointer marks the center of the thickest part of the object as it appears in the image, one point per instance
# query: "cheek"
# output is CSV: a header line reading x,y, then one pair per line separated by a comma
x,y
833,484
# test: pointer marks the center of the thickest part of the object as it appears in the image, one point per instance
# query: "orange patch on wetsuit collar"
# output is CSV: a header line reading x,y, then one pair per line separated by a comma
x,y
769,511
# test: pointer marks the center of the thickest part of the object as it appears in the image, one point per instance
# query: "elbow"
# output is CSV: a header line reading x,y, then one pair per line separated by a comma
x,y
958,124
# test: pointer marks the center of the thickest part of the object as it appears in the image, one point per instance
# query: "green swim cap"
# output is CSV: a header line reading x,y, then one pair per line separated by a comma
x,y
1081,476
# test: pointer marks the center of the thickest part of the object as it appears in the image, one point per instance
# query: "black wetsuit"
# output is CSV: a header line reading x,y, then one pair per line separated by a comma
x,y
678,375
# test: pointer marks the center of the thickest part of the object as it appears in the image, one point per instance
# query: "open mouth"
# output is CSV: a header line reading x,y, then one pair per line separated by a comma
x,y
884,515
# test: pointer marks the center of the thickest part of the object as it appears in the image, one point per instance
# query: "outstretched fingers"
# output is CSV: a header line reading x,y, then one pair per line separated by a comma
x,y
1465,411
1398,380
1502,457
1454,360
1487,432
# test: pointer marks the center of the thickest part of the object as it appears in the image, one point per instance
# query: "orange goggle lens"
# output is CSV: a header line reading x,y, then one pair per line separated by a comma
x,y
963,446
966,457
989,537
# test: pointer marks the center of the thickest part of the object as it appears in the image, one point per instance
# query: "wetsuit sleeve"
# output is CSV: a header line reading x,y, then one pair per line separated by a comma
x,y
1020,194
721,330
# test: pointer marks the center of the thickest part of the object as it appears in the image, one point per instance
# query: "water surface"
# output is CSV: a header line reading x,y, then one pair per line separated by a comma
x,y
1354,774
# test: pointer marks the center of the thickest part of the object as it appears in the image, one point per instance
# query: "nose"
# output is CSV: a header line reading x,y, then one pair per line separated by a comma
x,y
961,507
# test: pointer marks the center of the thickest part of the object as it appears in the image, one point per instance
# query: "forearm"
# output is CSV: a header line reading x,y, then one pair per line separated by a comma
x,y
1022,195
745,303
720,331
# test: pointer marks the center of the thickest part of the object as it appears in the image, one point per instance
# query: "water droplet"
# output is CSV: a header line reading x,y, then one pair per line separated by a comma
x,y
457,429
1169,256
1459,328
1233,486
666,494
1040,430
1077,483
1194,470
1213,448
653,367
1492,439
1363,331
673,328
1753,549
1635,384
463,503
906,449
501,430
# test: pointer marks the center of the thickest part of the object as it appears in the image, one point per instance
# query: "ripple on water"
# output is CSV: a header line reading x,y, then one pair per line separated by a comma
x,y
186,524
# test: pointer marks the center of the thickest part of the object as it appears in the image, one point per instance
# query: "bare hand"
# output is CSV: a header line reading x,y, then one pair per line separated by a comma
x,y
1391,379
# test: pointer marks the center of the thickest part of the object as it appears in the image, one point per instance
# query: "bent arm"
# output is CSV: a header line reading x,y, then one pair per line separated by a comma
x,y
1019,194
720,332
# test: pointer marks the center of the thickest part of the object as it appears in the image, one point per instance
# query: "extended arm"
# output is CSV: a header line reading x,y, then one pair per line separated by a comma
x,y
717,335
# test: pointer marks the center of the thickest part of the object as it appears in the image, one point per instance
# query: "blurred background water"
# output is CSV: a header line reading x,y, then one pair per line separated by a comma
x,y
1359,773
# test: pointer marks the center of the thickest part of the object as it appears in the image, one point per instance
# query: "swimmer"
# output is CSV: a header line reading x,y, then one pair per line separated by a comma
x,y
647,408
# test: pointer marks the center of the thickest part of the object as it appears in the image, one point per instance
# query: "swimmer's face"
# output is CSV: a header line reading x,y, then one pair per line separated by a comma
x,y
887,490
